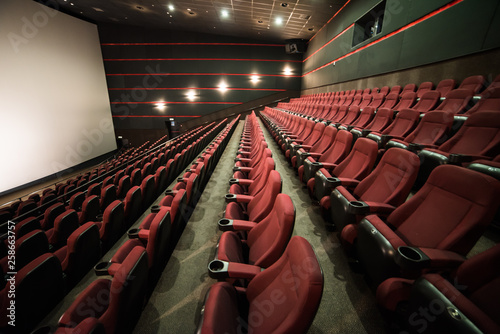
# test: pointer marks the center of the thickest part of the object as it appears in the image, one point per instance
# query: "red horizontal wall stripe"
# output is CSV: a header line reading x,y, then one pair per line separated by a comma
x,y
166,103
192,59
423,18
334,38
193,88
329,20
220,74
127,116
213,44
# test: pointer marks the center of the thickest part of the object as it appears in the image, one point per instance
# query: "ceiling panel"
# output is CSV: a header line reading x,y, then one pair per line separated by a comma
x,y
300,18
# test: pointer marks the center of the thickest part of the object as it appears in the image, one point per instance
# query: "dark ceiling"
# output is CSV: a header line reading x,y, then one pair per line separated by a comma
x,y
258,19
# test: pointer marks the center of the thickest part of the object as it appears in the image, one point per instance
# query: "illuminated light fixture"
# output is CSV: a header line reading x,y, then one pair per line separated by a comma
x,y
254,78
191,95
288,71
161,105
222,87
171,8
279,21
224,13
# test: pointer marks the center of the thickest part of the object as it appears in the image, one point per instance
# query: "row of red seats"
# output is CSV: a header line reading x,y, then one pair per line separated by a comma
x,y
397,240
327,106
137,265
256,250
85,245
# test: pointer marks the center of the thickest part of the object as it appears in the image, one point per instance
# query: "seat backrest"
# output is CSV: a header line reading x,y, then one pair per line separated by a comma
x,y
427,101
51,214
474,83
76,201
160,179
260,181
377,100
315,134
108,195
326,140
411,87
395,89
29,247
490,100
339,149
124,185
298,277
456,101
392,179
407,100
94,189
268,239
90,209
65,224
360,160
431,128
39,287
391,100
352,115
382,119
365,117
112,223
260,206
445,86
425,86
159,239
450,212
127,292
83,252
405,121
148,190
479,135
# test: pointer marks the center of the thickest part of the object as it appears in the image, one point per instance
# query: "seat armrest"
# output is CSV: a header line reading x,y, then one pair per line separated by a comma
x,y
380,208
241,182
247,153
222,270
226,224
242,169
238,198
242,159
349,183
455,158
306,147
328,165
442,259
314,155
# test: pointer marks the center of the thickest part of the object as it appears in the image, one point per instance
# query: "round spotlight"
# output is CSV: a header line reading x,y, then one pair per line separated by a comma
x,y
284,4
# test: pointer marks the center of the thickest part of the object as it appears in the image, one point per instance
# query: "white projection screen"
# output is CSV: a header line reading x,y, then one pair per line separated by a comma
x,y
54,106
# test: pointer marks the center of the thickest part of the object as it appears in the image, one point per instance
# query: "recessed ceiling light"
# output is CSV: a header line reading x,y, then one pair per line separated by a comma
x,y
97,9
171,7
284,4
260,21
224,13
310,29
191,13
279,20
139,7
189,9
72,4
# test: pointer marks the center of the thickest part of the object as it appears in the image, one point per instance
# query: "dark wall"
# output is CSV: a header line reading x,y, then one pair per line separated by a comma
x,y
144,67
414,33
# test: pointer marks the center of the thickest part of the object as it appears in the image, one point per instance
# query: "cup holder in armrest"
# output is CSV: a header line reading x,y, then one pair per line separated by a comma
x,y
99,217
358,208
233,181
315,163
333,182
155,209
237,159
236,169
101,269
411,258
133,233
218,269
169,192
180,179
230,198
225,224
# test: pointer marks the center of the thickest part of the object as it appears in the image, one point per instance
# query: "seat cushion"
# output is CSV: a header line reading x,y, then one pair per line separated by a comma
x,y
221,310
